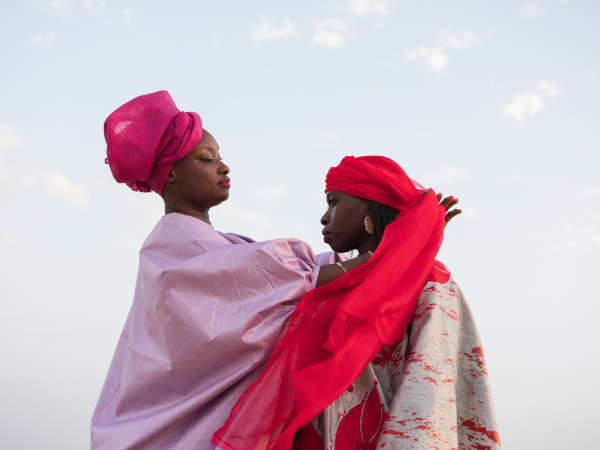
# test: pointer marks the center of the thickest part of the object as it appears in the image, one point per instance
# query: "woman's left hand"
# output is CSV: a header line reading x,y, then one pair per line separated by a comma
x,y
448,203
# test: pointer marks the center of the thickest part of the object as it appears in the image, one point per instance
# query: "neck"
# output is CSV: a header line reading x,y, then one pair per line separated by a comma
x,y
179,208
369,246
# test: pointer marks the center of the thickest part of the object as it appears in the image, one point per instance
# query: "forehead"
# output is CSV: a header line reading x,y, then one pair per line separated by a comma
x,y
338,195
344,198
208,142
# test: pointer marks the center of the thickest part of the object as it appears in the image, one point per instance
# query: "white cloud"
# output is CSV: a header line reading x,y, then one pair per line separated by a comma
x,y
444,173
434,58
51,183
267,30
548,88
521,106
55,185
57,7
459,41
43,40
530,10
448,173
529,104
367,7
247,215
127,15
591,192
585,242
7,239
469,211
92,7
329,32
9,138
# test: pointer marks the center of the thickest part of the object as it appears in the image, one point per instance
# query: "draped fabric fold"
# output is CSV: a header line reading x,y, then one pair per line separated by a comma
x,y
209,307
338,328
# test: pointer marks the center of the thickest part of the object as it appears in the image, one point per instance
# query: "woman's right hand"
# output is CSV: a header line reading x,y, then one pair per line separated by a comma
x,y
448,203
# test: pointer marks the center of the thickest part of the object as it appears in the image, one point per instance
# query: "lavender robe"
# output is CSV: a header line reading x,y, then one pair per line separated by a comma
x,y
209,308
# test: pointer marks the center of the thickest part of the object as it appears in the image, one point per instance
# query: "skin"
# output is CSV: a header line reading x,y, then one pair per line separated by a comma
x,y
198,181
344,230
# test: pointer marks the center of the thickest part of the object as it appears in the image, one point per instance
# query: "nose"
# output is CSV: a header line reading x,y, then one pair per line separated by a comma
x,y
325,219
225,169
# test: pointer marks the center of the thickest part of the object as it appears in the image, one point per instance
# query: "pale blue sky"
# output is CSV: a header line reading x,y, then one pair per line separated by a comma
x,y
493,101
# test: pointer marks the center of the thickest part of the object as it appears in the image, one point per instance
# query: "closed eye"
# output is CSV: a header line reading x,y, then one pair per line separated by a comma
x,y
206,160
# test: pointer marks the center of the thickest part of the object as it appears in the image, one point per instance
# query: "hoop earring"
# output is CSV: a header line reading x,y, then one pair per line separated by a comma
x,y
369,227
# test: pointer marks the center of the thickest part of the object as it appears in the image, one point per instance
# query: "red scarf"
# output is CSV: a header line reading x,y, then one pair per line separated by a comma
x,y
337,328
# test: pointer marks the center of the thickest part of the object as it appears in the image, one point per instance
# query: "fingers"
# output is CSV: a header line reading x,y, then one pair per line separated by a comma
x,y
451,215
439,196
449,202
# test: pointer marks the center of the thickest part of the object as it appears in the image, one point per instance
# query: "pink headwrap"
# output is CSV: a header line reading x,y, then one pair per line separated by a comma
x,y
145,137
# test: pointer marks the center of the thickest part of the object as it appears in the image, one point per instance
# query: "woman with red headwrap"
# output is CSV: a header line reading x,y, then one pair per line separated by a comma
x,y
350,373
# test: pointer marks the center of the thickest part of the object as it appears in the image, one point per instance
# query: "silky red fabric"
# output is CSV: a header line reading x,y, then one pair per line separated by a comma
x,y
145,137
375,178
337,328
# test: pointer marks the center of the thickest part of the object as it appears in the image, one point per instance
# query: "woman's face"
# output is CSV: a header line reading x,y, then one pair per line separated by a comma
x,y
343,223
199,179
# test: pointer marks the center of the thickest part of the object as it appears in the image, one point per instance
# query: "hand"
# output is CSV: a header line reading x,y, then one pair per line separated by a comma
x,y
448,203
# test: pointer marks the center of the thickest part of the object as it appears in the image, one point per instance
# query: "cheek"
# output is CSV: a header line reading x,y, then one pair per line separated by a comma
x,y
201,176
341,222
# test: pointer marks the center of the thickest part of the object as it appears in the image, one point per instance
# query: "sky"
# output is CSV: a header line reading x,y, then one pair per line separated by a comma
x,y
495,102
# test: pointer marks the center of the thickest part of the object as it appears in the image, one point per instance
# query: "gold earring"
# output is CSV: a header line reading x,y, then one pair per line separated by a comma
x,y
369,225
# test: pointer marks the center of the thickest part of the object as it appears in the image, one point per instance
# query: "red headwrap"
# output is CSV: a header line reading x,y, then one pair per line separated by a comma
x,y
145,137
337,328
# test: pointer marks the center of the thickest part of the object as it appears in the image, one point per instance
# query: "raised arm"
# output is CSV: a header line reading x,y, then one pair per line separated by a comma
x,y
331,272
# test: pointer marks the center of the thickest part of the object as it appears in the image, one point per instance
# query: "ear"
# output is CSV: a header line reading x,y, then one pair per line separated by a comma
x,y
170,178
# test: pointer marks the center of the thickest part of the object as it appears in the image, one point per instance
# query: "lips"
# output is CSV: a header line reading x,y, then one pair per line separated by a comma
x,y
326,235
225,182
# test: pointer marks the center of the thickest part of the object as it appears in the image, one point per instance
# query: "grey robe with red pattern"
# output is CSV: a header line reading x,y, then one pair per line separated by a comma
x,y
428,391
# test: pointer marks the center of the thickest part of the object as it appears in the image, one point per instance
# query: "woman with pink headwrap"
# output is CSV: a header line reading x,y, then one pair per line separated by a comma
x,y
209,307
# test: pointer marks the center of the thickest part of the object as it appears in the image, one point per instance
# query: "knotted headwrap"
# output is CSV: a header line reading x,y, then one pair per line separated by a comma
x,y
375,178
337,328
145,137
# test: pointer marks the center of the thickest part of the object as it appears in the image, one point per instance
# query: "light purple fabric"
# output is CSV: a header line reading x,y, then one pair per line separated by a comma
x,y
209,308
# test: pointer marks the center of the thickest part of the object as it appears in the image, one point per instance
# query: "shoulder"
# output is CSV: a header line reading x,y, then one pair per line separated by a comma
x,y
439,273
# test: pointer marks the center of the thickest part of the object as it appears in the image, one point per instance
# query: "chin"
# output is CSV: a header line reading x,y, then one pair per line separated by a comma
x,y
222,196
339,248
